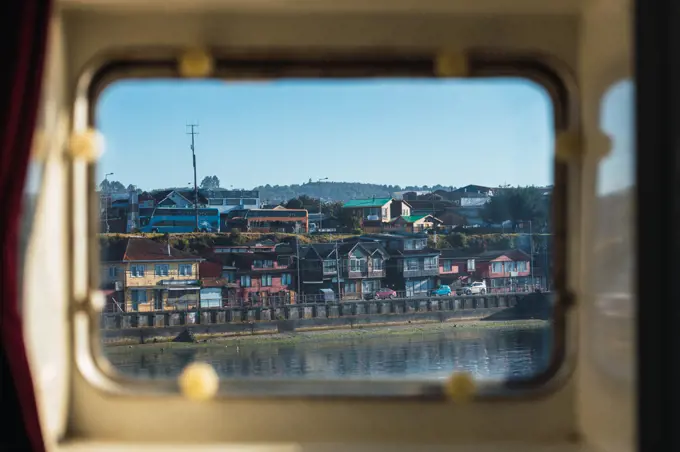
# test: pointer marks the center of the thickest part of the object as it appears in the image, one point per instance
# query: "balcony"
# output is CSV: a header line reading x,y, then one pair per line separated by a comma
x,y
274,266
421,272
364,273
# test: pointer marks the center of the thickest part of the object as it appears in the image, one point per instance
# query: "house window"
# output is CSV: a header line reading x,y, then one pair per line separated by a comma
x,y
411,264
510,266
266,280
385,213
257,264
409,244
137,296
357,265
497,267
186,269
113,271
377,264
431,263
268,264
329,266
162,270
470,265
447,265
229,276
420,244
286,279
245,281
137,271
351,287
522,266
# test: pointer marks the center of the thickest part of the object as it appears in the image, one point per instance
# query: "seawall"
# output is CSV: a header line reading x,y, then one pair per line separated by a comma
x,y
146,326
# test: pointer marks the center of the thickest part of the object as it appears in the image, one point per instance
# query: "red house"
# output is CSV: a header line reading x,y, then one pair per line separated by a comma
x,y
262,275
506,271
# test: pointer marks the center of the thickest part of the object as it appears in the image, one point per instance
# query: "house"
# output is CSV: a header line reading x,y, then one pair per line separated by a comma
x,y
279,219
352,268
226,200
508,270
412,223
457,267
323,221
262,274
414,267
216,288
372,209
475,189
399,208
139,274
429,207
180,199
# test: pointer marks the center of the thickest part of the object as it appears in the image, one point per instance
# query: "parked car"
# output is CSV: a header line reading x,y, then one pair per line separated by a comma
x,y
384,293
475,288
442,291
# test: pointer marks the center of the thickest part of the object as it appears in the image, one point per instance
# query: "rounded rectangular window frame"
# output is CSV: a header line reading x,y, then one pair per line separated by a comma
x,y
481,63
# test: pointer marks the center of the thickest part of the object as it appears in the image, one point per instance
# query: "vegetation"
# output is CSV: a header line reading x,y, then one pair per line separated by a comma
x,y
112,186
518,205
333,191
198,242
210,183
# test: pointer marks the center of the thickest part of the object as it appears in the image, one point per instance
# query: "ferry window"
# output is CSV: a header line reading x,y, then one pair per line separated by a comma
x,y
405,180
613,312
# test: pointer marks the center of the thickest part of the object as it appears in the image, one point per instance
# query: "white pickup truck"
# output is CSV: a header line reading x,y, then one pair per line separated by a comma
x,y
476,288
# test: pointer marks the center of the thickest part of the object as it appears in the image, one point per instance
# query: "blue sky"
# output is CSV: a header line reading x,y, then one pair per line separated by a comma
x,y
410,132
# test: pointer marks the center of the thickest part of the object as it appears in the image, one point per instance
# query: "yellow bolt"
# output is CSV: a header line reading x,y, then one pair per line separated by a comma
x,y
451,65
460,387
196,63
199,381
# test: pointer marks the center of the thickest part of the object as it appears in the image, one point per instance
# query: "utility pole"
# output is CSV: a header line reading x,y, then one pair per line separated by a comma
x,y
194,132
106,202
297,253
338,269
531,237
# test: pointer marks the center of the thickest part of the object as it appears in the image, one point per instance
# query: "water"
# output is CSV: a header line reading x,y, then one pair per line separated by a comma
x,y
487,353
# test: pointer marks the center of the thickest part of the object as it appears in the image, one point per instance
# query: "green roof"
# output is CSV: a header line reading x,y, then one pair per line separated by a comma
x,y
371,202
413,218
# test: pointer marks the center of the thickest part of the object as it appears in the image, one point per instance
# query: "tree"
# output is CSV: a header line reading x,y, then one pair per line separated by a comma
x,y
350,220
210,183
517,204
111,186
294,203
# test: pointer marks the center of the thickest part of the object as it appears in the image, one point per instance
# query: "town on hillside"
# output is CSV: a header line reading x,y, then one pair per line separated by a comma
x,y
472,240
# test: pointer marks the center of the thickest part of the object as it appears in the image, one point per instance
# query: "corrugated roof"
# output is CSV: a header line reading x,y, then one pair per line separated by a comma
x,y
142,249
371,202
412,218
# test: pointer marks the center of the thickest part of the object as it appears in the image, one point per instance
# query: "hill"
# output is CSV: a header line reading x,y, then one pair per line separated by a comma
x,y
332,191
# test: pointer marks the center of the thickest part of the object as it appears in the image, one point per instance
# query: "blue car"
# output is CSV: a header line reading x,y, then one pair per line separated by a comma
x,y
442,291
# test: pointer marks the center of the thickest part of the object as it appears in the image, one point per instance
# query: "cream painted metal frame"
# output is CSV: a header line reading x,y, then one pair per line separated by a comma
x,y
591,408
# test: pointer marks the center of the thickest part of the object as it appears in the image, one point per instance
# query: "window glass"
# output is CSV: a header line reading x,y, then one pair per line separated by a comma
x,y
411,184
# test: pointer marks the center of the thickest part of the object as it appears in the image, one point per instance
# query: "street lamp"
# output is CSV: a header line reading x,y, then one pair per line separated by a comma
x,y
106,203
320,214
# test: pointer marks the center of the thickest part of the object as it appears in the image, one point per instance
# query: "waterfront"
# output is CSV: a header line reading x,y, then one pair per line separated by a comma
x,y
423,352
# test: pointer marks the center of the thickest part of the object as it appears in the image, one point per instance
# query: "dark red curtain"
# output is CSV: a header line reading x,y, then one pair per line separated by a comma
x,y
23,37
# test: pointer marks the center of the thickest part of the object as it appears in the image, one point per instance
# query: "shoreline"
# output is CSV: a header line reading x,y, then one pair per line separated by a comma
x,y
327,334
